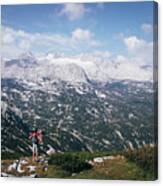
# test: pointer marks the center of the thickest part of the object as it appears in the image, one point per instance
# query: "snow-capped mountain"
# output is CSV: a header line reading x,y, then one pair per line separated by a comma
x,y
74,69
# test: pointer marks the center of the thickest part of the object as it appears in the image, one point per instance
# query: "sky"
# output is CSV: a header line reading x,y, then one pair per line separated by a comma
x,y
121,30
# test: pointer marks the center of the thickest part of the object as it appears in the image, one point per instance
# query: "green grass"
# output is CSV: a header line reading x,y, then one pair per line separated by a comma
x,y
110,170
137,164
146,158
115,170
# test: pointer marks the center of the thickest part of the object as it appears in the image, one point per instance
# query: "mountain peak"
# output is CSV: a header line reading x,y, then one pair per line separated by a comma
x,y
27,55
24,60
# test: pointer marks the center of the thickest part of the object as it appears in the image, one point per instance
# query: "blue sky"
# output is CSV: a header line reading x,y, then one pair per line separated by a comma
x,y
78,28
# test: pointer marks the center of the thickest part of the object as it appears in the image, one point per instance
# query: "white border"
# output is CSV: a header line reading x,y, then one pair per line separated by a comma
x,y
57,182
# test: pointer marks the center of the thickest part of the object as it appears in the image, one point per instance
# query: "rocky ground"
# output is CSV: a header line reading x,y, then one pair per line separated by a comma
x,y
24,167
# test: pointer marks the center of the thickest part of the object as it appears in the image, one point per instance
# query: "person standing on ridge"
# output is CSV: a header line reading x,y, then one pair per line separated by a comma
x,y
34,139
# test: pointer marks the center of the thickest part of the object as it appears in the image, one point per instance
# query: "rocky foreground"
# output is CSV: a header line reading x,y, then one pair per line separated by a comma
x,y
71,166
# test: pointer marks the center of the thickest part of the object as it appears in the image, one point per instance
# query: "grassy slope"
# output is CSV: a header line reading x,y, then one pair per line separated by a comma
x,y
131,165
110,170
113,170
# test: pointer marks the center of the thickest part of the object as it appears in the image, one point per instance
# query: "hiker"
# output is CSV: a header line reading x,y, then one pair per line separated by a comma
x,y
34,139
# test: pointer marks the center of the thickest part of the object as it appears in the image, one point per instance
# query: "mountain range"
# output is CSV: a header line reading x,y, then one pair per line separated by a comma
x,y
83,103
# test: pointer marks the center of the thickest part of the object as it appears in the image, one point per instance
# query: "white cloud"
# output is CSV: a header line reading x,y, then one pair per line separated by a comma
x,y
127,69
7,38
132,42
140,50
146,27
81,34
15,42
24,44
73,11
